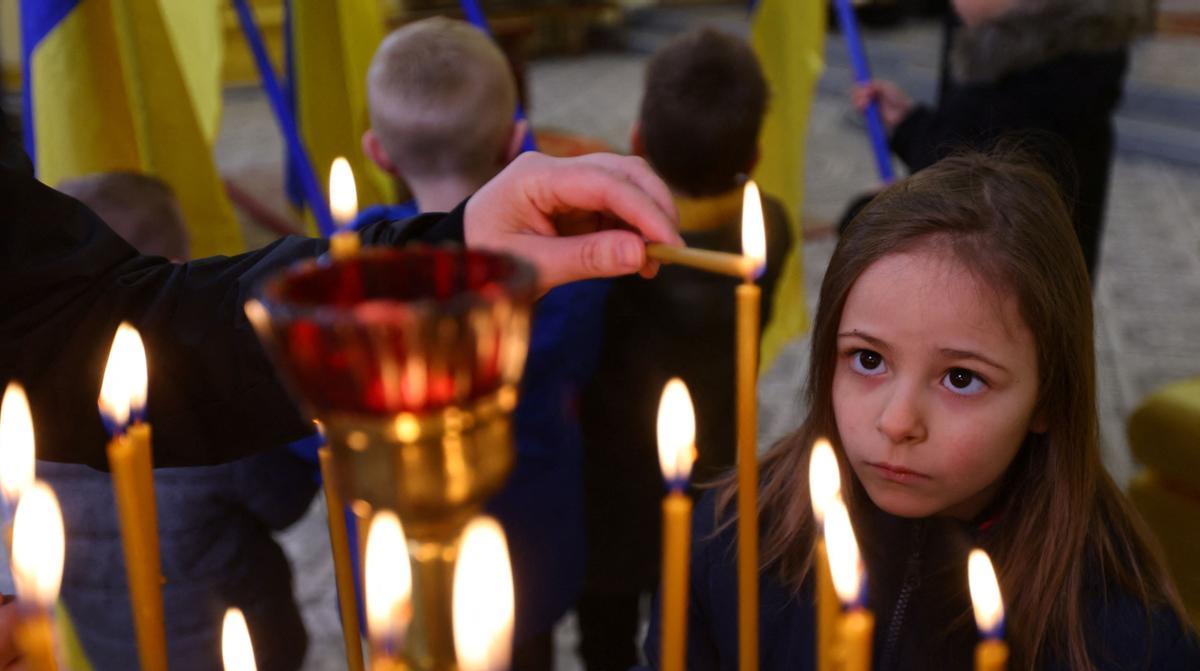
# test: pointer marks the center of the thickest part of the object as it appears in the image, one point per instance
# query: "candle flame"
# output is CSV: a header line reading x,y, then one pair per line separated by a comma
x,y
483,599
343,196
236,649
824,479
387,577
676,432
844,560
16,443
123,390
754,236
985,592
38,545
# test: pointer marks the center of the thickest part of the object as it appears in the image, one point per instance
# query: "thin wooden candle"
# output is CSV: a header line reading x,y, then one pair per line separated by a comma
x,y
122,397
37,564
857,626
824,487
749,298
676,454
722,263
343,568
991,654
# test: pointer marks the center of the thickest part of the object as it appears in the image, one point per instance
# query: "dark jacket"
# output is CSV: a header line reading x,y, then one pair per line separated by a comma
x,y
681,323
1057,71
67,281
917,590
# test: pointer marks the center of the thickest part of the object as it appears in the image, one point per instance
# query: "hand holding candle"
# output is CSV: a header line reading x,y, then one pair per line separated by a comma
x,y
122,399
857,625
992,653
387,588
343,202
237,653
483,599
824,487
676,454
37,564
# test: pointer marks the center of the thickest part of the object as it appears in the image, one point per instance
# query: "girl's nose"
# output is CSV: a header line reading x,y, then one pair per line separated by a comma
x,y
902,419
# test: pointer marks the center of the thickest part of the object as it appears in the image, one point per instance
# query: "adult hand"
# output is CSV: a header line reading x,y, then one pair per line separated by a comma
x,y
574,218
10,657
894,103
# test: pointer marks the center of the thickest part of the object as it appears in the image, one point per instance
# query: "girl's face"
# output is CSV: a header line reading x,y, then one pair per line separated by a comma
x,y
935,385
975,12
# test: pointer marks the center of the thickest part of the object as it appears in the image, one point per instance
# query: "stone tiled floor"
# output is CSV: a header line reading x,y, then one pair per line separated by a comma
x,y
1147,298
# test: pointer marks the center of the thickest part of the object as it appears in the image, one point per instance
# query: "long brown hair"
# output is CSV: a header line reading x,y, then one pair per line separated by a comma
x,y
1003,218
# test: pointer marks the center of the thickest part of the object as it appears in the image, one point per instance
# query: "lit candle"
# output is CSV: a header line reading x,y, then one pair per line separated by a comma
x,y
483,599
853,652
123,398
37,565
343,570
748,300
343,202
237,653
722,263
387,587
992,652
824,486
16,454
676,454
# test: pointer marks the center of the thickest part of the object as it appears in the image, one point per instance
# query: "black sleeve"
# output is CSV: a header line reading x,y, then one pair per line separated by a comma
x,y
67,281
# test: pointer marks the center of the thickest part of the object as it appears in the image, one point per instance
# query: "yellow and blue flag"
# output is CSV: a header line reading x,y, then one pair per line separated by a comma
x,y
130,85
789,38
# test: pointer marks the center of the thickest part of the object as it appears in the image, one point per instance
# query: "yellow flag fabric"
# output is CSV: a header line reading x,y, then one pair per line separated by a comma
x,y
332,46
135,85
789,38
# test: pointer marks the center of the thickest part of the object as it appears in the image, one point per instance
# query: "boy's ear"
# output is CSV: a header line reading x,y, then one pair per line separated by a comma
x,y
519,128
373,148
636,146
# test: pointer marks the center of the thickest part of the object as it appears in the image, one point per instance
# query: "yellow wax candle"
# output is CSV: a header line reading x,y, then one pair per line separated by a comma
x,y
748,296
343,570
827,610
824,487
722,263
35,638
677,519
133,488
387,588
854,640
991,655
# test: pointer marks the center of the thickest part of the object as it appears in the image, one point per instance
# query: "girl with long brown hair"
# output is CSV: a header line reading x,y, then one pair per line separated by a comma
x,y
953,371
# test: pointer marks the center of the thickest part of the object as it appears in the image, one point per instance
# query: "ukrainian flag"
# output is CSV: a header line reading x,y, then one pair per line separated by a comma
x,y
330,45
789,38
130,85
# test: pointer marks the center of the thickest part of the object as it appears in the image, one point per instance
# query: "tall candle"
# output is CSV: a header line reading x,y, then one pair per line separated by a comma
x,y
676,454
722,263
387,588
748,301
122,398
37,564
343,568
237,652
483,599
991,654
857,625
343,203
824,487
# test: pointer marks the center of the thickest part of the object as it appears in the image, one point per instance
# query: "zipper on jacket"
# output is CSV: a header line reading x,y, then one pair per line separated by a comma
x,y
912,580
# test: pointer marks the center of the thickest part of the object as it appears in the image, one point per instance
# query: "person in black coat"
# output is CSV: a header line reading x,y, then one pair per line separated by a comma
x,y
1050,71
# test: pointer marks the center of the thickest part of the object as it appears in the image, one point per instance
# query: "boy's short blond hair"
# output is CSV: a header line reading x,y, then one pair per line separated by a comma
x,y
441,98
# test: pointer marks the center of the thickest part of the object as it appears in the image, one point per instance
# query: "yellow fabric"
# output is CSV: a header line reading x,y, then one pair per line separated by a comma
x,y
1164,432
789,37
705,214
1173,515
130,85
333,45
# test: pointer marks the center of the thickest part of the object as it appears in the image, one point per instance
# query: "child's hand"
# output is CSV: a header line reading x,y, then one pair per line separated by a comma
x,y
574,218
894,104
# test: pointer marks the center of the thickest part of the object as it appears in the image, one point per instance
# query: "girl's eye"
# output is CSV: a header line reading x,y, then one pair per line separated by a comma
x,y
867,362
964,382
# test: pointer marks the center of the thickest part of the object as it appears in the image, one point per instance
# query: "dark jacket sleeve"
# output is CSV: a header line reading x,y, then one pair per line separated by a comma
x,y
67,281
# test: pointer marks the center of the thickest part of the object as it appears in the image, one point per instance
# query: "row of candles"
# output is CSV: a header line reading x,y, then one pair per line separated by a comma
x,y
483,594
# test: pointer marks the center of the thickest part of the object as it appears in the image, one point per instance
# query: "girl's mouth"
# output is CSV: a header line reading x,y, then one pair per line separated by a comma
x,y
897,474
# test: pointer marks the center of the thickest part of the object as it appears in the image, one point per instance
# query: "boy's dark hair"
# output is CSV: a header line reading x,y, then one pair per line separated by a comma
x,y
704,101
140,208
